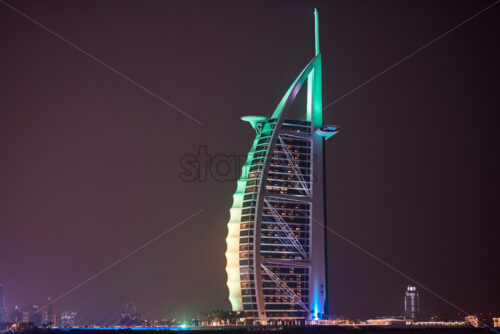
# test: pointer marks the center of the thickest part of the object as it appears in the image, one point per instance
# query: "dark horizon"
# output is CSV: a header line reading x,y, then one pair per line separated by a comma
x,y
91,163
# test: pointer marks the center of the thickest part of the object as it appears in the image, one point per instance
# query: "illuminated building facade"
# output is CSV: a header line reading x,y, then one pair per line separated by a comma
x,y
472,320
48,315
411,302
68,319
276,243
16,315
129,316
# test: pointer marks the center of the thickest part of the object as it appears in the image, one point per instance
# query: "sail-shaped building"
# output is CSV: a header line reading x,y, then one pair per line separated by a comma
x,y
276,243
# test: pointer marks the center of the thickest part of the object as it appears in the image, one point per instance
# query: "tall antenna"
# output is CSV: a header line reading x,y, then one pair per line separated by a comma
x,y
316,30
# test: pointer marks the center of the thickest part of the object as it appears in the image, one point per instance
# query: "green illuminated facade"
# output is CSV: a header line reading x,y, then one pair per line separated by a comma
x,y
276,246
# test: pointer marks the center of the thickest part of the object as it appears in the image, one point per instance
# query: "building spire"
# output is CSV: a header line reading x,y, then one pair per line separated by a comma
x,y
316,31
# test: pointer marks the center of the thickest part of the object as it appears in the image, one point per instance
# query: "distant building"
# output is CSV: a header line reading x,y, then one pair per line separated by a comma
x,y
496,322
129,316
26,315
68,319
485,319
48,315
390,321
411,302
16,315
29,314
472,320
437,323
34,315
2,303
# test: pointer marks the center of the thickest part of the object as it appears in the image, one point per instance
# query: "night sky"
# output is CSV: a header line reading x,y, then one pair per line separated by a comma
x,y
90,163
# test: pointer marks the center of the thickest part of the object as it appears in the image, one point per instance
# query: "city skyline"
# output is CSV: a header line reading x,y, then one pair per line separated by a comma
x,y
91,162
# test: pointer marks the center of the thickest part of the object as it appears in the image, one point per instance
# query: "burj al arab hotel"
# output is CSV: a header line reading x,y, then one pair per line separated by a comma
x,y
276,242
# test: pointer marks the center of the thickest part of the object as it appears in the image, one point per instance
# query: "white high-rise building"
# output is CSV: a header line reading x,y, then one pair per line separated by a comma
x,y
411,302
